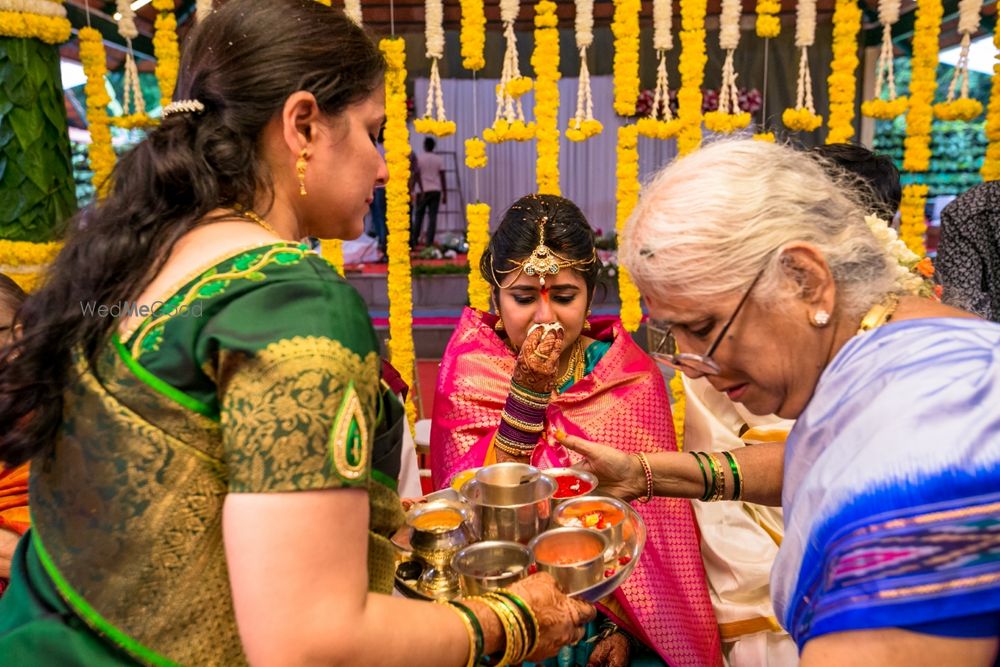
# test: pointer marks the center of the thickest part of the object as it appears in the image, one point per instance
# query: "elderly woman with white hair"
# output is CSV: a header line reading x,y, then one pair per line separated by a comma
x,y
773,287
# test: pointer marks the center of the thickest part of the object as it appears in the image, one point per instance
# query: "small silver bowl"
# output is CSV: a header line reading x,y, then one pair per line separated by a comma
x,y
487,566
575,511
573,556
587,483
504,484
515,522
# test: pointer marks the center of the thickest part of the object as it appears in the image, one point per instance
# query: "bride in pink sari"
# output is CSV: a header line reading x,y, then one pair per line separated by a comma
x,y
506,385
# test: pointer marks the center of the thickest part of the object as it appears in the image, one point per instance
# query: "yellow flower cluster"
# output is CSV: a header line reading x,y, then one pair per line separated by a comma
x,y
801,119
502,131
764,136
678,408
518,86
587,129
627,195
25,262
439,128
991,165
473,34
658,129
49,29
168,55
964,108
133,120
478,236
726,123
768,24
333,252
625,28
397,194
841,82
885,109
923,85
102,156
545,61
692,70
475,153
911,211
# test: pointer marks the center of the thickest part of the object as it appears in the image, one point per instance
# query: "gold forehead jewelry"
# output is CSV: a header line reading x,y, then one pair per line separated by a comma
x,y
542,261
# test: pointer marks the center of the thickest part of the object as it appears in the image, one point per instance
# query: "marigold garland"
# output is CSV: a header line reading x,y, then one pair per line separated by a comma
x,y
692,71
842,83
768,24
397,194
764,136
923,84
893,106
545,61
626,197
911,211
473,34
42,20
508,122
26,262
475,153
678,408
165,49
803,115
963,108
333,252
991,164
625,28
101,154
478,236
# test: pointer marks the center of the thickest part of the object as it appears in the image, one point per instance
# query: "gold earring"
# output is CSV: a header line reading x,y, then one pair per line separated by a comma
x,y
300,169
586,321
498,326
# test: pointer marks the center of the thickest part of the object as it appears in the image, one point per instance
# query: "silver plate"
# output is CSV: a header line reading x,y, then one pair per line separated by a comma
x,y
408,571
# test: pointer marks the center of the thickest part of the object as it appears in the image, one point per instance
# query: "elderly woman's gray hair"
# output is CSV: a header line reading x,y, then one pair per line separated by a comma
x,y
710,221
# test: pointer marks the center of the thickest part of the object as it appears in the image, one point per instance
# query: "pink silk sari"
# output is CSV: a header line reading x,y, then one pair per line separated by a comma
x,y
622,403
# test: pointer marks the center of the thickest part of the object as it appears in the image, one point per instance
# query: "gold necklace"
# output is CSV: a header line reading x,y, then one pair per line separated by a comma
x,y
879,314
253,217
574,369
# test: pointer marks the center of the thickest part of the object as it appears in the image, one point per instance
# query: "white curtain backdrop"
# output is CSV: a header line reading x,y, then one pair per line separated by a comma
x,y
587,169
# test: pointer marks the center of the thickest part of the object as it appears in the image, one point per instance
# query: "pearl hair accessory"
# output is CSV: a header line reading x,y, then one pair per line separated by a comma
x,y
183,106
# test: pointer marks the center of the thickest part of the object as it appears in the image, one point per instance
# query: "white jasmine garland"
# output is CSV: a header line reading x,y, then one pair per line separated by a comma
x,y
663,14
906,279
509,10
584,23
38,7
729,24
434,28
888,11
805,23
126,24
968,16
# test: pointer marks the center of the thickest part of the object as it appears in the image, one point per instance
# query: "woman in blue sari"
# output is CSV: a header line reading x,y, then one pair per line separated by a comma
x,y
772,284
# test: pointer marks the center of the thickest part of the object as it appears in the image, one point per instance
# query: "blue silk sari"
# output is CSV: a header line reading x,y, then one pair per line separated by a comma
x,y
892,485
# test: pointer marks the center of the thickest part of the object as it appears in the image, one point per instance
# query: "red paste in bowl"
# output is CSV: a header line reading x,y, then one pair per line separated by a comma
x,y
570,486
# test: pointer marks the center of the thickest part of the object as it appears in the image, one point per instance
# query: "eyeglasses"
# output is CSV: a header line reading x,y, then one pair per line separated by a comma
x,y
664,346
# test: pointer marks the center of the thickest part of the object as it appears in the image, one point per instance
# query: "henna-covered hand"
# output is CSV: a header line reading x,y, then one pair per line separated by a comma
x,y
612,651
538,362
561,620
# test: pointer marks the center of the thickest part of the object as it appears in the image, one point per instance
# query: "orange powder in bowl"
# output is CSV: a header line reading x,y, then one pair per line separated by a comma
x,y
437,520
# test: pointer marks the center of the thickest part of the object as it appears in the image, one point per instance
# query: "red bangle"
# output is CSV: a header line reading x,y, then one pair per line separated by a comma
x,y
649,477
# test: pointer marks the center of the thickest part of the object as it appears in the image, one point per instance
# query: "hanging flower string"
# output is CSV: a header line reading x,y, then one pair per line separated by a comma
x,y
397,157
133,105
473,34
44,20
963,108
102,156
728,118
478,235
435,120
919,117
626,197
891,106
583,125
165,49
625,28
768,25
545,61
509,123
692,71
846,24
661,124
803,116
991,164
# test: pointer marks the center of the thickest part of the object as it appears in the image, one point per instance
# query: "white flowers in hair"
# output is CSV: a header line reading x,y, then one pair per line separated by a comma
x,y
202,9
907,280
37,7
353,10
434,28
663,14
584,23
183,106
805,23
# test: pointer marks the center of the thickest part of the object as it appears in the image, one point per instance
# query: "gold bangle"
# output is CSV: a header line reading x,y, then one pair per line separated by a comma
x,y
524,609
521,425
514,615
468,626
507,447
720,479
511,648
529,395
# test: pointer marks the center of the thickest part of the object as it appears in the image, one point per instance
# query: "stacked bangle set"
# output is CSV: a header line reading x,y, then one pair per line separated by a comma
x,y
521,421
520,626
714,476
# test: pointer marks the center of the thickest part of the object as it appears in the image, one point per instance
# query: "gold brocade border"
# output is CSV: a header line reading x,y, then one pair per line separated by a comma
x,y
750,626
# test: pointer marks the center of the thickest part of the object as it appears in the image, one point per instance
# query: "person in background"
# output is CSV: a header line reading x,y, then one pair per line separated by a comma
x,y
14,517
378,209
505,382
875,174
428,176
214,470
771,283
968,259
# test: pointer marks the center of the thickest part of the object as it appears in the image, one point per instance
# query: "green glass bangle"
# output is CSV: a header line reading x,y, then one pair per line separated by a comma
x,y
530,392
736,474
711,466
529,617
704,475
471,615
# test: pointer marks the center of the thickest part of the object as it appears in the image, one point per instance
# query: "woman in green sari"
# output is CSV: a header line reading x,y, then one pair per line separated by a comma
x,y
212,454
